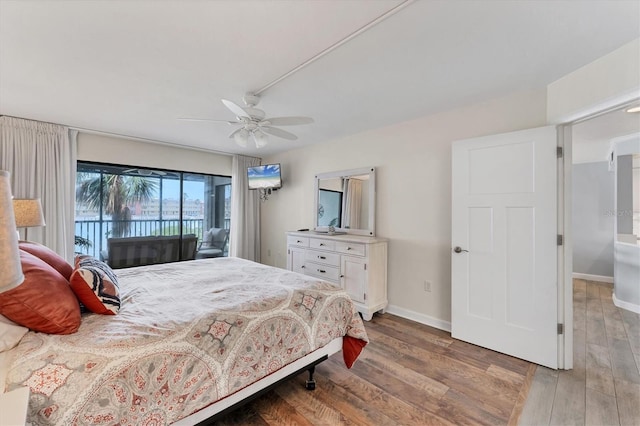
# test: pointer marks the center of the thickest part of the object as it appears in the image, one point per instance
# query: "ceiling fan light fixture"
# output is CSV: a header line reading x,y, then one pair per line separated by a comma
x,y
260,138
241,137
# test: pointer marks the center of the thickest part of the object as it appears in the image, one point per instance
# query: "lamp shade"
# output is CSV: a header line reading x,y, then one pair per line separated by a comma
x,y
10,267
28,213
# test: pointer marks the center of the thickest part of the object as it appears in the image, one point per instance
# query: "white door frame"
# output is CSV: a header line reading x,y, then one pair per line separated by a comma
x,y
565,254
565,260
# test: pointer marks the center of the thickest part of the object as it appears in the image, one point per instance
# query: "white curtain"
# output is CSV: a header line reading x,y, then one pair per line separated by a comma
x,y
353,203
41,158
244,238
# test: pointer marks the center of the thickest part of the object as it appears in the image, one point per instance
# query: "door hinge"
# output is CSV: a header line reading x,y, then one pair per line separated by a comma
x,y
365,266
365,296
559,151
560,328
560,240
288,251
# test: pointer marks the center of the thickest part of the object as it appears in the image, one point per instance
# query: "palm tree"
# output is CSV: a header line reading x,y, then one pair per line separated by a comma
x,y
115,192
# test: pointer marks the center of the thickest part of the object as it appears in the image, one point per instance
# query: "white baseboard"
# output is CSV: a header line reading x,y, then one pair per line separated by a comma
x,y
418,317
626,305
589,277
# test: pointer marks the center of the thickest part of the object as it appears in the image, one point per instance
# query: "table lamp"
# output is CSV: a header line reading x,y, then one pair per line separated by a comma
x,y
28,213
10,267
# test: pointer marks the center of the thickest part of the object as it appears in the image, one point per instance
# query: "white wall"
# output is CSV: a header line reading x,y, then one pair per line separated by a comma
x,y
107,149
602,83
413,167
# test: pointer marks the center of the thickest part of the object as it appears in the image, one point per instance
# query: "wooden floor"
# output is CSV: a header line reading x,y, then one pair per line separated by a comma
x,y
604,386
410,374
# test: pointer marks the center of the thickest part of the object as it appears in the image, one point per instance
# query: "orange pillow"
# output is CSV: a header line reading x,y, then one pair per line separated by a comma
x,y
49,256
95,285
44,301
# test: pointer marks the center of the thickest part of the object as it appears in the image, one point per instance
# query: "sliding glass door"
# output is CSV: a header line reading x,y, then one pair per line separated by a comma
x,y
116,201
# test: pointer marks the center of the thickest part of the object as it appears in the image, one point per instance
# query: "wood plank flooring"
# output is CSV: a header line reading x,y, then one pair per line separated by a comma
x,y
410,374
604,386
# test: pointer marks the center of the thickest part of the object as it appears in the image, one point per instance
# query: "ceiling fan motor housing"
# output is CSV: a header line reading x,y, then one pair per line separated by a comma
x,y
255,113
250,99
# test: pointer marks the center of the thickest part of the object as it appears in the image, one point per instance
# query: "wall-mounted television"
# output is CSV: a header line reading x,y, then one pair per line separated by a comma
x,y
264,177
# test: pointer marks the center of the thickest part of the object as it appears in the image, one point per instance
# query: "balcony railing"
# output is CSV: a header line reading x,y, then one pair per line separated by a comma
x,y
97,231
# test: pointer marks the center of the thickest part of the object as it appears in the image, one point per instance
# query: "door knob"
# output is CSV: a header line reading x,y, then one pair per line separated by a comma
x,y
457,249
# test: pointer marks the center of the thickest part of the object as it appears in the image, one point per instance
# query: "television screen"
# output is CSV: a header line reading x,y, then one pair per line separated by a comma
x,y
264,177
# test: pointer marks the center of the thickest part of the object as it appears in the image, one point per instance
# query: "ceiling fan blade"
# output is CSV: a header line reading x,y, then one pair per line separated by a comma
x,y
232,134
289,121
207,119
235,108
279,133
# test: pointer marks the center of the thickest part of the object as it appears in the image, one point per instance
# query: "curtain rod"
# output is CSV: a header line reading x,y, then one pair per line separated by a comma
x,y
134,138
154,141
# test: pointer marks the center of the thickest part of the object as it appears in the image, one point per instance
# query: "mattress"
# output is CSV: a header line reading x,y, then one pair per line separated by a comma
x,y
188,334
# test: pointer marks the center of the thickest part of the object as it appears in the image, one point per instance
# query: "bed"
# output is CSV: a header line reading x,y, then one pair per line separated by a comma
x,y
190,341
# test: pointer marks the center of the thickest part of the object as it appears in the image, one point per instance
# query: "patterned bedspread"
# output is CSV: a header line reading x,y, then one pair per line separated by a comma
x,y
188,334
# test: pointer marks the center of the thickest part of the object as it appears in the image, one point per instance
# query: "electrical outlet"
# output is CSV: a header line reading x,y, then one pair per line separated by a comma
x,y
427,286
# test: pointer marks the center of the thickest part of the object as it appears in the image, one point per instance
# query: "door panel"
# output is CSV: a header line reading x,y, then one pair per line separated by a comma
x,y
520,240
296,260
504,212
354,276
502,168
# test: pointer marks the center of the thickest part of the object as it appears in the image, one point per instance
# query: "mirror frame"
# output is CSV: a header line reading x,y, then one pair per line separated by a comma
x,y
371,171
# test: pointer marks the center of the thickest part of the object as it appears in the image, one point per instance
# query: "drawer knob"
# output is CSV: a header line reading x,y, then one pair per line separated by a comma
x,y
321,244
348,248
302,267
321,257
341,276
298,241
322,271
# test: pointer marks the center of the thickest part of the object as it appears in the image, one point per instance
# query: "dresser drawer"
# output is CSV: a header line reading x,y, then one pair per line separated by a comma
x,y
351,248
326,272
322,244
323,257
298,241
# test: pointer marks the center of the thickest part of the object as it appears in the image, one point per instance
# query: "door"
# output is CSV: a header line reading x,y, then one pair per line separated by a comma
x,y
504,239
354,277
296,260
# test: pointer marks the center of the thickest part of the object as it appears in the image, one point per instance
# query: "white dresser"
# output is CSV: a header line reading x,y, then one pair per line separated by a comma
x,y
357,263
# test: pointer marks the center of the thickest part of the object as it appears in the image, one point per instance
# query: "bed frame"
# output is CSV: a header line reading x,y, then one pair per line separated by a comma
x,y
219,408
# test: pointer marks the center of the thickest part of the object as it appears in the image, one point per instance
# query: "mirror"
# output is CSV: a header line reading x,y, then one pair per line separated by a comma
x,y
346,200
628,198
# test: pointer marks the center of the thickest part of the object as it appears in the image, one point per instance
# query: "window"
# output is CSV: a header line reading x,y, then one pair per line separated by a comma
x,y
116,201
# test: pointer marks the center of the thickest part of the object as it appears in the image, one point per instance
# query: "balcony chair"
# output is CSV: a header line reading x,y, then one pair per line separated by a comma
x,y
213,244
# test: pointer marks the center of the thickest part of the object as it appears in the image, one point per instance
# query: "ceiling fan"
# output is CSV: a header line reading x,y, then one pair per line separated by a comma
x,y
253,123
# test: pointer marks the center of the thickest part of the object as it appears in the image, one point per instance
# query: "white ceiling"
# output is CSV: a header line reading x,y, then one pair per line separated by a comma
x,y
133,67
